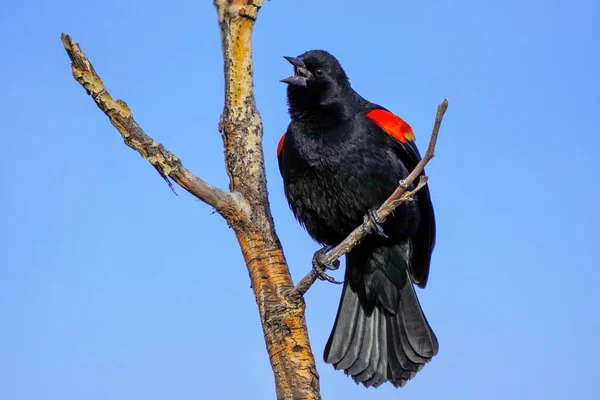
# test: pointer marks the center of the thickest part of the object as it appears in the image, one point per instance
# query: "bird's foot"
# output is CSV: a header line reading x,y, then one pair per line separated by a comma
x,y
320,264
375,223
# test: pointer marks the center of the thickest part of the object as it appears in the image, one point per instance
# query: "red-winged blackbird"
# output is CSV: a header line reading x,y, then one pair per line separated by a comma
x,y
341,157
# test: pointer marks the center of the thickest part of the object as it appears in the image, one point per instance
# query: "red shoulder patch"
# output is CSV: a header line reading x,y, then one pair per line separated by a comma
x,y
392,124
280,145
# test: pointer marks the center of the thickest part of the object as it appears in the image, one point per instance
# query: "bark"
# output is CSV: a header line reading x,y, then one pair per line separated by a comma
x,y
282,316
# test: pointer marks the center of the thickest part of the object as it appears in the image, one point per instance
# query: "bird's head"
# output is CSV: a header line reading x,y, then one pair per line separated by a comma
x,y
319,82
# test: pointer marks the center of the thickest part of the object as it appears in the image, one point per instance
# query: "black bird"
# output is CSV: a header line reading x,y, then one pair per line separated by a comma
x,y
340,159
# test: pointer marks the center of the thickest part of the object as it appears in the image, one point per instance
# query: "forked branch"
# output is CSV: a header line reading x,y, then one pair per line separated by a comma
x,y
398,196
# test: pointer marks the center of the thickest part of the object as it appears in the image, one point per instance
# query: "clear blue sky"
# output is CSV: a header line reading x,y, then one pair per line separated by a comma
x,y
113,288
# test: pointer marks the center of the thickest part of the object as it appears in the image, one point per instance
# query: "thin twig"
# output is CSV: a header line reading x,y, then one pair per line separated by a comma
x,y
166,163
398,196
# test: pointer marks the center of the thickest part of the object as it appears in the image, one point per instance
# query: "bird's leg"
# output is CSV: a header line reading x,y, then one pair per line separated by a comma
x,y
375,223
320,264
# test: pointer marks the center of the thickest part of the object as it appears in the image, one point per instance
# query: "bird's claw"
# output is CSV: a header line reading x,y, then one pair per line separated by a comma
x,y
375,223
320,265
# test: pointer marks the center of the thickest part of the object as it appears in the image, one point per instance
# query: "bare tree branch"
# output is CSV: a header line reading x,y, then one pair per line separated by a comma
x,y
398,196
166,163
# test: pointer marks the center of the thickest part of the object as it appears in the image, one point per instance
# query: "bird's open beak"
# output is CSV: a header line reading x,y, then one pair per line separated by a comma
x,y
301,73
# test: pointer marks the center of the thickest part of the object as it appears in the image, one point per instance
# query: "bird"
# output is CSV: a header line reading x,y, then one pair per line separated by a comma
x,y
340,158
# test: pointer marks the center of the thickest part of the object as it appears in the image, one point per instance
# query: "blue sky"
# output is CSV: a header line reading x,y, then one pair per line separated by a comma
x,y
113,288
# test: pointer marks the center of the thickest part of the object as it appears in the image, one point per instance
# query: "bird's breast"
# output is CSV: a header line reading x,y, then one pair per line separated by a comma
x,y
330,190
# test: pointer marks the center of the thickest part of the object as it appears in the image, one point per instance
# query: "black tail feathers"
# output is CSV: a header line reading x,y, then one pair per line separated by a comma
x,y
374,345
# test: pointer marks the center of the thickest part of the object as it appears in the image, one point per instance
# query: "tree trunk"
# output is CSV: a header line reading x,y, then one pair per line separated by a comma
x,y
282,317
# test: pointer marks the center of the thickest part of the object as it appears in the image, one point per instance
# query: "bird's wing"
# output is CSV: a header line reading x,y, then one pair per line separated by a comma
x,y
424,240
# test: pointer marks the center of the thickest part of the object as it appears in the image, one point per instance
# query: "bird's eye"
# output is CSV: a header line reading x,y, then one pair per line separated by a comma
x,y
319,72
